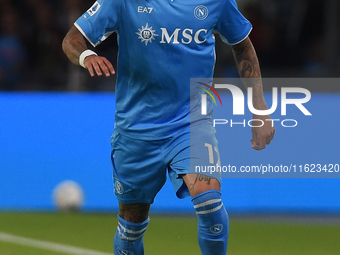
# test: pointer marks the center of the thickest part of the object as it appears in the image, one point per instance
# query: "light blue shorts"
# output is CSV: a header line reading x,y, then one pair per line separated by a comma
x,y
140,166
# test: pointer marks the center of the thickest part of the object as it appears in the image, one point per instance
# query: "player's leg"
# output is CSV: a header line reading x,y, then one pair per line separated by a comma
x,y
213,220
198,183
133,220
138,175
135,213
200,149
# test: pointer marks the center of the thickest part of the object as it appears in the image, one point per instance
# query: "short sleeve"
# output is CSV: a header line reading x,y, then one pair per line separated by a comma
x,y
99,21
232,26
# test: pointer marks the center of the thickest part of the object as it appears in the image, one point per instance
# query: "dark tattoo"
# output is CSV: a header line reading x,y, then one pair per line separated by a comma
x,y
246,59
248,67
200,177
74,44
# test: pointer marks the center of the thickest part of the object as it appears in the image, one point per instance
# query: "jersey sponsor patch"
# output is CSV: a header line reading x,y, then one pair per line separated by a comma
x,y
146,34
94,8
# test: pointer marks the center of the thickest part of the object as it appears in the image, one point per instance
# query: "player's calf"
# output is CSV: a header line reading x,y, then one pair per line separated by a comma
x,y
132,223
213,223
129,237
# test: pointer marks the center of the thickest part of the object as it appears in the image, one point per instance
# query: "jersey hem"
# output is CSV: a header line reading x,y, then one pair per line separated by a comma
x,y
137,134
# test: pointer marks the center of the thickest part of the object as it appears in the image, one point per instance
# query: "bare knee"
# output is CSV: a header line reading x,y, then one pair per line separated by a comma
x,y
136,213
198,183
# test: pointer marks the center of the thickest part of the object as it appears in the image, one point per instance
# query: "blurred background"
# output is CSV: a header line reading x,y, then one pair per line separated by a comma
x,y
49,133
293,38
56,122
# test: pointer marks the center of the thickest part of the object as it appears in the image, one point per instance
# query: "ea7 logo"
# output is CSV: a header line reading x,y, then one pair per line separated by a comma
x,y
142,9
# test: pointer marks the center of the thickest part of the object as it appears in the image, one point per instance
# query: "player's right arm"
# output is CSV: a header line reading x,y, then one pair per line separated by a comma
x,y
74,45
234,29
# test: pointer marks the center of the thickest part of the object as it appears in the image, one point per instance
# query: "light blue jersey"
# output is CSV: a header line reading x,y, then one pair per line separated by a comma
x,y
162,44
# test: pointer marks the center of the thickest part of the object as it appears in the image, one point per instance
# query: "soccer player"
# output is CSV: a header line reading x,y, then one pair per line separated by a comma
x,y
159,127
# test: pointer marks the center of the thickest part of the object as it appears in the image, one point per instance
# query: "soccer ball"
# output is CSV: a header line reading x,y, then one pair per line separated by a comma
x,y
68,196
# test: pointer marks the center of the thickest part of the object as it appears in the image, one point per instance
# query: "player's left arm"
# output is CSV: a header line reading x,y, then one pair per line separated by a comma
x,y
249,70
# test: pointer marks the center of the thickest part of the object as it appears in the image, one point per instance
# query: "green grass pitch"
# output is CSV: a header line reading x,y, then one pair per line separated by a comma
x,y
168,235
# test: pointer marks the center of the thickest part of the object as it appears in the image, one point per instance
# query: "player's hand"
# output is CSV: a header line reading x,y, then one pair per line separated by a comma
x,y
262,135
98,65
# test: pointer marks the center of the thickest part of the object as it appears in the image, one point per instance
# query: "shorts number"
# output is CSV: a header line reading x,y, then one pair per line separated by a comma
x,y
211,154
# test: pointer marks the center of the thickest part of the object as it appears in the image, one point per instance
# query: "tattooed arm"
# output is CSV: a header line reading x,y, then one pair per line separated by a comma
x,y
249,70
248,67
74,44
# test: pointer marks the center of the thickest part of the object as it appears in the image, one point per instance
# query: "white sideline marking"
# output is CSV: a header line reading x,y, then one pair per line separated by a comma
x,y
48,245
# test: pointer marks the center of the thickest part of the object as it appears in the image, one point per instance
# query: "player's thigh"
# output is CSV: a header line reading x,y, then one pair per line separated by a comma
x,y
136,213
197,149
138,171
198,183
